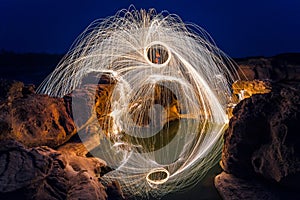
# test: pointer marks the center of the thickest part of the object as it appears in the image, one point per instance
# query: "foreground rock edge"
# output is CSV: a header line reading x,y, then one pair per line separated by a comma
x,y
261,157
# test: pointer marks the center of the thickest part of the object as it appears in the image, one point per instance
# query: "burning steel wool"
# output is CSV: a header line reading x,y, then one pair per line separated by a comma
x,y
154,106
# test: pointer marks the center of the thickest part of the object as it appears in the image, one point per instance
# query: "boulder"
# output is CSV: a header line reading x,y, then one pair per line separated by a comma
x,y
44,173
262,143
33,119
232,188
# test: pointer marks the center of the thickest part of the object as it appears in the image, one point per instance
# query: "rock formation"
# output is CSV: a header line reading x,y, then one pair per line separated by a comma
x,y
29,169
283,67
41,156
32,119
43,173
261,154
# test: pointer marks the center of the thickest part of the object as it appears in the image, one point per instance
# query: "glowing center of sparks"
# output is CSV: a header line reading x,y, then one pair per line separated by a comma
x,y
157,54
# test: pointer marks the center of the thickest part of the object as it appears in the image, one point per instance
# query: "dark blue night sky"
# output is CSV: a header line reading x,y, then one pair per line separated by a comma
x,y
240,28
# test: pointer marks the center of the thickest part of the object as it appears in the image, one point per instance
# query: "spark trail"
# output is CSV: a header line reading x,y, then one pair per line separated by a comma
x,y
160,129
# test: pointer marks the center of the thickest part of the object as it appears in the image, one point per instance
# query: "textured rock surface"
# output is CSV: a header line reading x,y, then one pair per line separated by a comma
x,y
30,170
277,68
245,89
43,173
114,191
262,136
33,119
261,152
233,188
90,105
263,143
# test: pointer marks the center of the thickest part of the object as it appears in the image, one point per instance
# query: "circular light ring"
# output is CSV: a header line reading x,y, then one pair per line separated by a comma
x,y
157,54
157,176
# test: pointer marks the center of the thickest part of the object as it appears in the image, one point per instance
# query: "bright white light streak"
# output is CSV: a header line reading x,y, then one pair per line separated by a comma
x,y
161,125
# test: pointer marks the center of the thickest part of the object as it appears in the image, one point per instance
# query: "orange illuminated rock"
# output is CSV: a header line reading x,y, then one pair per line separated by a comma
x,y
245,89
33,119
242,89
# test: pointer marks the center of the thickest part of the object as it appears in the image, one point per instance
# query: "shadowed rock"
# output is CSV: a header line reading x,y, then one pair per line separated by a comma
x,y
43,173
114,191
263,143
276,68
233,188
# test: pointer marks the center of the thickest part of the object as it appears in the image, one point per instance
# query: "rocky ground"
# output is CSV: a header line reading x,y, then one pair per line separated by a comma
x,y
41,156
261,152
